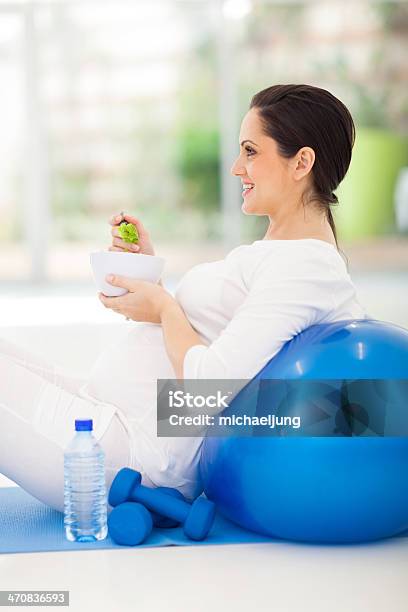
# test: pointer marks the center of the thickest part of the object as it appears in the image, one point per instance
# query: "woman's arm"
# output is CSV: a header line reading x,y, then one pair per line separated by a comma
x,y
178,334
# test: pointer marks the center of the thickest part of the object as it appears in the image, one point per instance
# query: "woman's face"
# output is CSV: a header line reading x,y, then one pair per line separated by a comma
x,y
273,177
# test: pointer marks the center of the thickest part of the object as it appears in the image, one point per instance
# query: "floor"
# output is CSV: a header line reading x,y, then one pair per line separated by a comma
x,y
262,577
286,577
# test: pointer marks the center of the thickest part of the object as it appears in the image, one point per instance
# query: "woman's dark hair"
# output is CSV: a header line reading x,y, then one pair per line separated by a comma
x,y
299,116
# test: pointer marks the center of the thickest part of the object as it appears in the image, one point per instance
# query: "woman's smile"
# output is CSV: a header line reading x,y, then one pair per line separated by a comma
x,y
247,188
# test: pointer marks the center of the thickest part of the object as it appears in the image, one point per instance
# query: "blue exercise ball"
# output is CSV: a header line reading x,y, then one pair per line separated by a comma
x,y
343,478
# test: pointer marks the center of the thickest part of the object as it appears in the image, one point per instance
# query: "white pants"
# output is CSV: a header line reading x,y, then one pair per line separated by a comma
x,y
39,403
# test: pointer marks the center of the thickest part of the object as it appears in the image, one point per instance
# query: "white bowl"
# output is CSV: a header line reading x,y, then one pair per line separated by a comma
x,y
132,265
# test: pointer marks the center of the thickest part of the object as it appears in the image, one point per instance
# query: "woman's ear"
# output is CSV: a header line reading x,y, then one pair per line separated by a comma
x,y
304,160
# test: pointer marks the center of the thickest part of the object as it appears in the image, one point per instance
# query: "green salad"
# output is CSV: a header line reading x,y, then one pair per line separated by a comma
x,y
128,232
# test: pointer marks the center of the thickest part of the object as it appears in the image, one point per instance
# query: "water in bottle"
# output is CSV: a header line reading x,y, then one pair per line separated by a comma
x,y
85,502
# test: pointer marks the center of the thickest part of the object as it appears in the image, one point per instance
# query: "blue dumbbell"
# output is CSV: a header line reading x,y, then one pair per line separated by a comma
x,y
129,524
197,518
164,522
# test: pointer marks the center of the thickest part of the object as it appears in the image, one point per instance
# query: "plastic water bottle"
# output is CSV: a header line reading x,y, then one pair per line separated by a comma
x,y
85,503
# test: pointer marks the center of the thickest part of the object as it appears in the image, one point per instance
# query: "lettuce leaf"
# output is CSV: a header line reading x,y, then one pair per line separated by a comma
x,y
128,232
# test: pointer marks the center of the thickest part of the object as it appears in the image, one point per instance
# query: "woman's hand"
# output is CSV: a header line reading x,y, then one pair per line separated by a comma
x,y
144,244
144,301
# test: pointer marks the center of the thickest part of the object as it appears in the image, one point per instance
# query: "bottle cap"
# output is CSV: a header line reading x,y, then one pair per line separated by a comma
x,y
83,425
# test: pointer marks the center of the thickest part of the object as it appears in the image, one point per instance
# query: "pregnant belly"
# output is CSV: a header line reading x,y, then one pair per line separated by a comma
x,y
126,372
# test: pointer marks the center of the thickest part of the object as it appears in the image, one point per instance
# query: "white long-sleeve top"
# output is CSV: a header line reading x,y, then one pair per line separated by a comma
x,y
256,299
244,308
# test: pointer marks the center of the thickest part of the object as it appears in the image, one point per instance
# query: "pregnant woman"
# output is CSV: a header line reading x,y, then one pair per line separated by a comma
x,y
227,318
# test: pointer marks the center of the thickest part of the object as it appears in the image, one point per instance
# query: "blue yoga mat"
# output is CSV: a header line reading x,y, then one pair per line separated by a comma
x,y
28,525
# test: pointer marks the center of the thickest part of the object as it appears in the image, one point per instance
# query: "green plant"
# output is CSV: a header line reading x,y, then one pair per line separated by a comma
x,y
198,166
196,154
